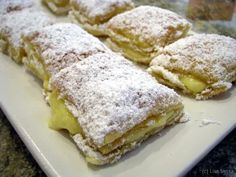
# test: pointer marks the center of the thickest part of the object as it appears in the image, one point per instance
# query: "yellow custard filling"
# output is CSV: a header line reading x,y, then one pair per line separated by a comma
x,y
189,82
140,130
192,84
35,64
62,119
135,40
130,52
139,133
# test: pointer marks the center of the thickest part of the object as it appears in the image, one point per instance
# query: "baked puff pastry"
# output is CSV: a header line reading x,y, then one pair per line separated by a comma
x,y
58,7
140,33
17,23
203,65
55,47
93,14
110,106
7,6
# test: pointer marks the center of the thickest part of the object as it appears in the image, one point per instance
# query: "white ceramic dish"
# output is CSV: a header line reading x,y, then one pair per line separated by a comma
x,y
171,154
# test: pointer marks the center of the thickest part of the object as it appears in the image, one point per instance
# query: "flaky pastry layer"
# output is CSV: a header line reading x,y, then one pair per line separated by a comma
x,y
149,128
58,7
93,14
112,99
96,29
62,118
203,65
8,6
17,23
146,30
57,46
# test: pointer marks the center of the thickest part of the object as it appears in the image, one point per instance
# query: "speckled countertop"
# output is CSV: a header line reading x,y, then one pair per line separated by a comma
x,y
16,161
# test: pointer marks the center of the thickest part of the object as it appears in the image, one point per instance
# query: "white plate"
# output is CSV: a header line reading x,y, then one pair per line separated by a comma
x,y
171,154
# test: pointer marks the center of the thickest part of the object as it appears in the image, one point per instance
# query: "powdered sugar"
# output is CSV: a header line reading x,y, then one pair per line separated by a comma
x,y
16,23
111,94
185,118
101,8
150,123
210,57
63,44
7,6
149,24
205,122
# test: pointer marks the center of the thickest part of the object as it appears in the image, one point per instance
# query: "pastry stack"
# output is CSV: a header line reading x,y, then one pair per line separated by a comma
x,y
106,103
18,17
58,7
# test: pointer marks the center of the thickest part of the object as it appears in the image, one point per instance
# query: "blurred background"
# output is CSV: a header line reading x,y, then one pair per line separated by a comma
x,y
210,16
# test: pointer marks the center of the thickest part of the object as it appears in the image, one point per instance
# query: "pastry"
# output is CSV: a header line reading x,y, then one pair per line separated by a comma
x,y
202,65
54,47
15,24
140,33
58,7
109,106
7,6
92,14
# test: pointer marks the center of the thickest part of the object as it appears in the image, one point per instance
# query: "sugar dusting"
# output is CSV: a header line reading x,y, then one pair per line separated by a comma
x,y
209,57
62,44
149,24
185,118
205,122
7,6
110,94
17,23
95,8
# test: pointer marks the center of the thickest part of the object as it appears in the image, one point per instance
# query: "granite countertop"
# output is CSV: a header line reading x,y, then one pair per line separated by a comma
x,y
16,161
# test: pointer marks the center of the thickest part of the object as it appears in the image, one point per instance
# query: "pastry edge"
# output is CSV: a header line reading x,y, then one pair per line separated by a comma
x,y
115,48
56,9
214,89
96,29
8,49
91,154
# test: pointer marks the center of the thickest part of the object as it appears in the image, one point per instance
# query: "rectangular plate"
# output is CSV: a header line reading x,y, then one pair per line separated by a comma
x,y
171,153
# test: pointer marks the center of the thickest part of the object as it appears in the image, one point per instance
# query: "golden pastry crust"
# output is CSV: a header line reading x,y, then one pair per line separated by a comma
x,y
145,30
92,14
96,29
95,157
58,46
58,7
208,58
110,97
17,23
